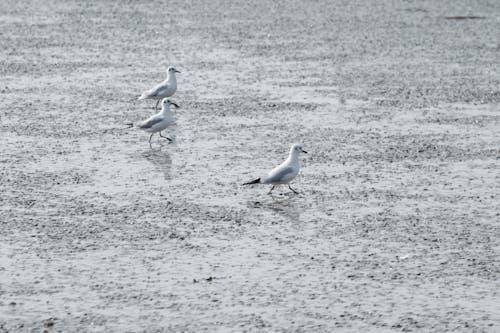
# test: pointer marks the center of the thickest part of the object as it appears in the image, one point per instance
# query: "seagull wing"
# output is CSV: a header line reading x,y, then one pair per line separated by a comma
x,y
281,174
150,122
158,90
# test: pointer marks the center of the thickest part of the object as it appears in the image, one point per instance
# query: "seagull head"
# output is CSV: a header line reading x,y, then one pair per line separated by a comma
x,y
297,148
167,102
172,70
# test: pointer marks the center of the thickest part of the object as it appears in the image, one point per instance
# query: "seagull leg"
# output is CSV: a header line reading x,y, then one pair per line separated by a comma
x,y
170,140
156,106
272,188
150,137
292,189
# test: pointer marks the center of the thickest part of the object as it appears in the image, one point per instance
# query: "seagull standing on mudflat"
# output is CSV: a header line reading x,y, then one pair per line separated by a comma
x,y
165,89
159,121
285,172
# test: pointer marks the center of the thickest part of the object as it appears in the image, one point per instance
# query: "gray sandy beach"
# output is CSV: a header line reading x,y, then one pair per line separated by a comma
x,y
397,224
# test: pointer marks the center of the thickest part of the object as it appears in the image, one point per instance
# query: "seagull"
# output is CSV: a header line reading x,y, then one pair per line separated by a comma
x,y
285,172
165,89
159,121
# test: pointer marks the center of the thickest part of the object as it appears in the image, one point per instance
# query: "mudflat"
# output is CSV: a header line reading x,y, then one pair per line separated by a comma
x,y
397,224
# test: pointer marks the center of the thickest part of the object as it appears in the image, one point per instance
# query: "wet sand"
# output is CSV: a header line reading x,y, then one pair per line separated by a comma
x,y
397,224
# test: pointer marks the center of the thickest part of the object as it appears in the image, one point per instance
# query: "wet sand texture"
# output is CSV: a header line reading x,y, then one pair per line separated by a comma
x,y
397,224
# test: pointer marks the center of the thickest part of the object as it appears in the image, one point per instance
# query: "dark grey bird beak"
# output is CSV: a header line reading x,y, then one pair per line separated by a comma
x,y
305,152
174,104
175,70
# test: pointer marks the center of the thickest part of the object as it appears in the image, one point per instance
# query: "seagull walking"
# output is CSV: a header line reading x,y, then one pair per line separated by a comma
x,y
159,121
284,173
165,89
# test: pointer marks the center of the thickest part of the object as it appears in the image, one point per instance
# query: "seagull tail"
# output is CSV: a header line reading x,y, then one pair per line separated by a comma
x,y
256,181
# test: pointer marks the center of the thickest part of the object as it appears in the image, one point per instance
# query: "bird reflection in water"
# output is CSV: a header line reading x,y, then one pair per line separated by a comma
x,y
284,205
160,159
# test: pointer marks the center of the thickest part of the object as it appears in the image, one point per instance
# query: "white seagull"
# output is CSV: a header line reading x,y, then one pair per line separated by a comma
x,y
165,89
159,121
285,172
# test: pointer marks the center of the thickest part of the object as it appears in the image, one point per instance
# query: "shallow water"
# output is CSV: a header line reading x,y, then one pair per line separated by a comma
x,y
396,225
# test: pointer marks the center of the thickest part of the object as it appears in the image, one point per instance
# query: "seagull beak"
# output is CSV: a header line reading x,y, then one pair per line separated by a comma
x,y
305,152
174,104
175,70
